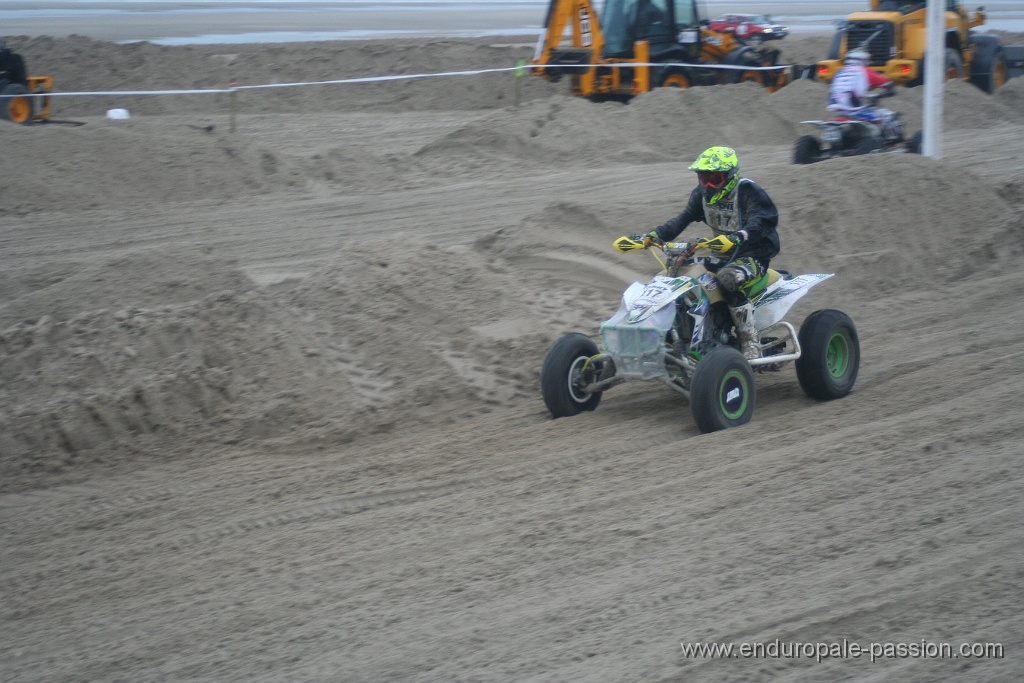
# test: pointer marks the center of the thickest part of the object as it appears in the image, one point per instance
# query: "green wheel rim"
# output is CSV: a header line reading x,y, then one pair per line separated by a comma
x,y
733,394
837,357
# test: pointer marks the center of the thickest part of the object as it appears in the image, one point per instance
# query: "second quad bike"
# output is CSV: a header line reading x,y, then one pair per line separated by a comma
x,y
846,136
677,329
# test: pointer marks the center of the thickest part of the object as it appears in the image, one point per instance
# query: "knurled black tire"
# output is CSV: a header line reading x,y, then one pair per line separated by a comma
x,y
995,77
722,390
806,150
560,374
830,355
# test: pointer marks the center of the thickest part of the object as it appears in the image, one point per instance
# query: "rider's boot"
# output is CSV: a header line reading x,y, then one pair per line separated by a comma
x,y
746,330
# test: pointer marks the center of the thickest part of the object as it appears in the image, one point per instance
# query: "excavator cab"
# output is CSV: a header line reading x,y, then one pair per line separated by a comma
x,y
671,27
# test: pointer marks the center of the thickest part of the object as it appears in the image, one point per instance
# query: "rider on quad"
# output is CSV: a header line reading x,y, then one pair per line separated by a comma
x,y
744,219
850,88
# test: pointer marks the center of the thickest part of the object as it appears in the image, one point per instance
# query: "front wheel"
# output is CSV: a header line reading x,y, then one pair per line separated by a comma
x,y
566,371
14,105
807,150
722,390
830,355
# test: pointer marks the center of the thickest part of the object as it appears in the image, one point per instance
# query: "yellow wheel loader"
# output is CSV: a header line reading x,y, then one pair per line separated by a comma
x,y
17,102
638,45
895,33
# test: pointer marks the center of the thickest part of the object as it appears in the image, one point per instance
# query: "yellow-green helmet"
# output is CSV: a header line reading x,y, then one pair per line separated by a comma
x,y
717,172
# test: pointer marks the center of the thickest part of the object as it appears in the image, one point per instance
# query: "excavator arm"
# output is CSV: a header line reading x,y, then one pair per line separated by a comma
x,y
586,39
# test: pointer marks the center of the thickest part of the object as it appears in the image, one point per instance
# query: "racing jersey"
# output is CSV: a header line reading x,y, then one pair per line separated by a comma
x,y
748,207
851,84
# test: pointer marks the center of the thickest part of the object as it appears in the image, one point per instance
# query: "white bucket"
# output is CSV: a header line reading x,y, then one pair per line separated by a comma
x,y
117,114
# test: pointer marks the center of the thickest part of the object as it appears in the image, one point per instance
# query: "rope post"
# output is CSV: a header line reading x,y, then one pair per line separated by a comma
x,y
520,71
233,84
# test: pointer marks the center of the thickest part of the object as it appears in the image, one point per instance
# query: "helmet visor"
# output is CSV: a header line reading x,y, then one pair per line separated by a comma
x,y
713,180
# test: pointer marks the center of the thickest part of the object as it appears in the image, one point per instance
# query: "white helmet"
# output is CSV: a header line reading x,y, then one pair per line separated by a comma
x,y
859,56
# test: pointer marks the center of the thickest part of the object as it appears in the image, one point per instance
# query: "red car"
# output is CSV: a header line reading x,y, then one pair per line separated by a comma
x,y
752,28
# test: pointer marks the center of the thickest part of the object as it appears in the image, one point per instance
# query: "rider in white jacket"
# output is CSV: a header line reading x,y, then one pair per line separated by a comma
x,y
851,85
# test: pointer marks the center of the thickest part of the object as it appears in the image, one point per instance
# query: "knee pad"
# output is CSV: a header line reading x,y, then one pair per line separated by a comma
x,y
732,278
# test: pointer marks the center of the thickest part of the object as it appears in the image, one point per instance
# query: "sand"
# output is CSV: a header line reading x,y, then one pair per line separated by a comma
x,y
270,404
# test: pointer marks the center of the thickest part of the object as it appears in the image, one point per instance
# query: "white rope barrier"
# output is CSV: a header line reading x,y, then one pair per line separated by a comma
x,y
379,79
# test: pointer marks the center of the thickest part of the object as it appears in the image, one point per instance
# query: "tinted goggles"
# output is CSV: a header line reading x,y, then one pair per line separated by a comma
x,y
713,180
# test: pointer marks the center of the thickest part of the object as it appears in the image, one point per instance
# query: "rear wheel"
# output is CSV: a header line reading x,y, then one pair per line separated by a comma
x,y
14,105
830,355
807,150
995,77
722,390
566,371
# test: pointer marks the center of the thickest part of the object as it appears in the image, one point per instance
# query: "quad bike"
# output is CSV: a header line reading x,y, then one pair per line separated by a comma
x,y
843,136
677,329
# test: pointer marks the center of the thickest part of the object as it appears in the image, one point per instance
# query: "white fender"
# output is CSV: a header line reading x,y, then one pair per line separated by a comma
x,y
773,305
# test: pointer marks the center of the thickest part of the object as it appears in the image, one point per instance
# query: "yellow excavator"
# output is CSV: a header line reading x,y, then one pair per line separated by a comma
x,y
17,104
638,45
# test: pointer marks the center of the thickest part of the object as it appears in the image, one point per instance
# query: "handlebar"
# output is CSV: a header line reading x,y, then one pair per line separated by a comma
x,y
676,252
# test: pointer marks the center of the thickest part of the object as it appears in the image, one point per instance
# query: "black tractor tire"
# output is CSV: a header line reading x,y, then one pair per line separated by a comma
x,y
988,66
830,355
560,376
15,106
722,390
868,145
806,150
674,77
995,78
915,143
